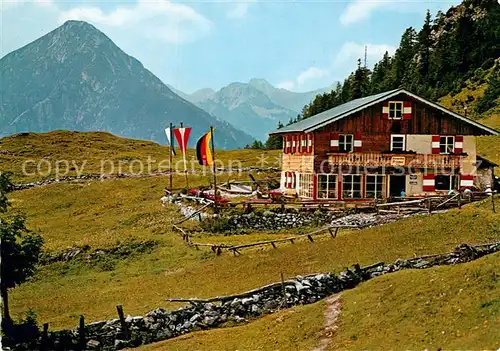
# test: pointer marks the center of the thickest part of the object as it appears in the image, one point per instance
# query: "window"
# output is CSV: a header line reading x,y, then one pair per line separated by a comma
x,y
398,142
445,182
351,187
327,186
375,186
346,142
446,144
395,109
306,186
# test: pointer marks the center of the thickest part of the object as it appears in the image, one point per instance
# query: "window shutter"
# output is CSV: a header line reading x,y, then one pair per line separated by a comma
x,y
334,142
309,143
407,110
466,181
429,183
459,144
294,178
358,142
297,143
385,110
303,143
284,144
435,144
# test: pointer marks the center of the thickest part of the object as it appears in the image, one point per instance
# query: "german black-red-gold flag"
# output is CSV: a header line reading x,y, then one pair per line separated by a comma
x,y
203,152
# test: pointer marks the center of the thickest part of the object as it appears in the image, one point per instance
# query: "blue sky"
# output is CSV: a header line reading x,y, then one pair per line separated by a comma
x,y
298,45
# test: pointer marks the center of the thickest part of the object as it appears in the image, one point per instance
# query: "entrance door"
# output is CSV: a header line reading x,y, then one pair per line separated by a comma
x,y
397,185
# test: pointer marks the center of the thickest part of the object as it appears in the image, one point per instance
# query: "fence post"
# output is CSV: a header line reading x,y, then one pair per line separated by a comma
x,y
493,201
45,337
119,309
81,333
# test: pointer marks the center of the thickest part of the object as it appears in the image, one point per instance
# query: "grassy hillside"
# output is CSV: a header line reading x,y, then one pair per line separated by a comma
x,y
452,308
100,152
470,94
101,213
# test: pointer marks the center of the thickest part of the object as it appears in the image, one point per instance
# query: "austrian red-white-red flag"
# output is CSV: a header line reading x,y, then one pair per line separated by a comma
x,y
182,136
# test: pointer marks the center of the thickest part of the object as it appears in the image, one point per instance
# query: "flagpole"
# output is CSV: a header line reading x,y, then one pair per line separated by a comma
x,y
213,169
171,160
185,165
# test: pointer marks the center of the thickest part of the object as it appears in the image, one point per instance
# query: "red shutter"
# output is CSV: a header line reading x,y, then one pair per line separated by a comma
x,y
429,184
459,144
309,143
358,142
287,180
303,143
407,110
435,144
294,180
287,144
466,181
385,110
296,140
334,142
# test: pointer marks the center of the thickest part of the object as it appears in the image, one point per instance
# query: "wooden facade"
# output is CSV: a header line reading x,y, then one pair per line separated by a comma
x,y
423,145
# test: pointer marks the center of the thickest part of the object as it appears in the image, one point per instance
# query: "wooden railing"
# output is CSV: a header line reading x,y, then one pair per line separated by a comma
x,y
394,160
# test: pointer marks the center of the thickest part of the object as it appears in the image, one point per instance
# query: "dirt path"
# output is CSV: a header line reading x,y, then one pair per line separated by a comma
x,y
332,312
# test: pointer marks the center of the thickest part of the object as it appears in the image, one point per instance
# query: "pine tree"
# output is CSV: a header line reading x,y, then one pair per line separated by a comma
x,y
275,142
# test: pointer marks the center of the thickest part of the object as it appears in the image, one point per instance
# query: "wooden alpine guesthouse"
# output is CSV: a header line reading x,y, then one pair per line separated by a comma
x,y
383,145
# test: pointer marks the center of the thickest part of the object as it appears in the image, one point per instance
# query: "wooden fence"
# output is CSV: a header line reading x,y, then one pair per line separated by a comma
x,y
235,249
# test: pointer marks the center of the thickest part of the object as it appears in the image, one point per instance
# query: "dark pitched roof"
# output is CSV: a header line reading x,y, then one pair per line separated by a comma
x,y
482,162
324,118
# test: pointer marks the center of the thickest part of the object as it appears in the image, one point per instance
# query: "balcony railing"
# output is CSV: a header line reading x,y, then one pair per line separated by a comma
x,y
394,160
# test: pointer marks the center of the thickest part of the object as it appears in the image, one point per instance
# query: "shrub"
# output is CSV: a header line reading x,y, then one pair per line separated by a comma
x,y
23,334
216,224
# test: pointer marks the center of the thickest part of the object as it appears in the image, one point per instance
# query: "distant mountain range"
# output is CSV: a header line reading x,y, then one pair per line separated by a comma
x,y
255,107
76,78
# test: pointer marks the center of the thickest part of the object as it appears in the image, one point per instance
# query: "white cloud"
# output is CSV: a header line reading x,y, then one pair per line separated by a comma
x,y
240,9
310,74
359,10
304,77
8,4
343,63
171,22
351,51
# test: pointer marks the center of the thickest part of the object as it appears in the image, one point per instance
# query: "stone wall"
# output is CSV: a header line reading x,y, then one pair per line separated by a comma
x,y
202,314
276,221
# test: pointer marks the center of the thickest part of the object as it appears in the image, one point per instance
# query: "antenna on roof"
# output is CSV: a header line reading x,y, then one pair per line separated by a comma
x,y
366,51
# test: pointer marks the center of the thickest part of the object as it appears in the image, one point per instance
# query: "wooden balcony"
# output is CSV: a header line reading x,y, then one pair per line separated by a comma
x,y
394,160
